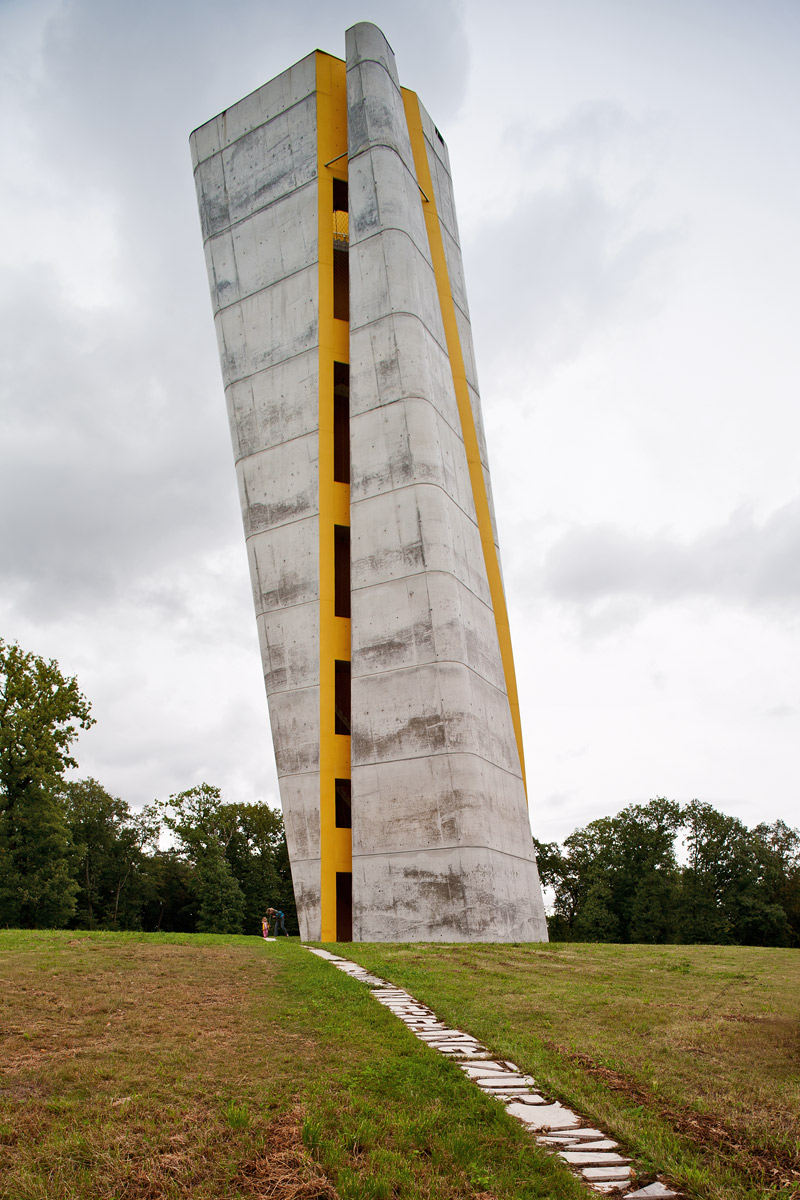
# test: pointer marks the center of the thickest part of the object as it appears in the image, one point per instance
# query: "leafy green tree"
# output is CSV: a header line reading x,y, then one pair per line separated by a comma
x,y
205,827
169,900
254,855
779,851
110,846
596,920
617,878
41,714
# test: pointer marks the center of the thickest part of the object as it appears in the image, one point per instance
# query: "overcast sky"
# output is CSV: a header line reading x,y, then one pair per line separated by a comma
x,y
628,186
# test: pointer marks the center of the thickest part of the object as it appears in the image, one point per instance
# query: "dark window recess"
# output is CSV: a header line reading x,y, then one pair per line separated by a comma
x,y
340,195
341,570
344,818
342,698
341,260
344,906
341,422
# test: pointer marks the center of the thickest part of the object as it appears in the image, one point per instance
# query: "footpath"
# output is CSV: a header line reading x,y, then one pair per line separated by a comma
x,y
595,1157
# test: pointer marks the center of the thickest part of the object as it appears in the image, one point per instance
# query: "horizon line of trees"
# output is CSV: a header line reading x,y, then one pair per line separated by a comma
x,y
619,879
74,856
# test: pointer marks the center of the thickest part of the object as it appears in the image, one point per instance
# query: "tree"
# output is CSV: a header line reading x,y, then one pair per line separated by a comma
x,y
204,827
41,714
617,878
734,883
255,855
110,844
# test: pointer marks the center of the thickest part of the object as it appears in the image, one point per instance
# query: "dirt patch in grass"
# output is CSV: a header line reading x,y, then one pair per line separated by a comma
x,y
709,1130
286,1170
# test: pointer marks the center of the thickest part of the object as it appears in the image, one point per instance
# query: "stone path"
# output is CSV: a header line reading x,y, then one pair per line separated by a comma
x,y
591,1153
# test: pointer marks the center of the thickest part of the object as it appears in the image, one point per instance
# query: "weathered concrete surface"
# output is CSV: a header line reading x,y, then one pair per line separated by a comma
x,y
441,840
256,177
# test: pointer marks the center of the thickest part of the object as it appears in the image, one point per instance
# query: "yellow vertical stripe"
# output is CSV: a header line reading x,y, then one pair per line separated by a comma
x,y
468,432
334,632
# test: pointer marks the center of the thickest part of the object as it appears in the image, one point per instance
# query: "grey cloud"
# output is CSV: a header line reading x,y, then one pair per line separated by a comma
x,y
113,461
572,256
742,562
557,271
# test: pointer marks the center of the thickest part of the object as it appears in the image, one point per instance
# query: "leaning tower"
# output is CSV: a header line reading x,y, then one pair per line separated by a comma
x,y
338,293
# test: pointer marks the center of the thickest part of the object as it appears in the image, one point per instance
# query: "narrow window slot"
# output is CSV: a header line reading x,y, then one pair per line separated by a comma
x,y
341,570
344,906
341,260
344,816
342,698
341,422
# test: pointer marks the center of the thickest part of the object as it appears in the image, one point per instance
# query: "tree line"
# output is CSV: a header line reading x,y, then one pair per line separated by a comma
x,y
74,856
663,872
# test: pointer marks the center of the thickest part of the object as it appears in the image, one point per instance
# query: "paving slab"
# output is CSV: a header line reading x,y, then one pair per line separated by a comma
x,y
577,1144
588,1149
575,1137
652,1189
502,1079
545,1116
606,1174
592,1158
492,1066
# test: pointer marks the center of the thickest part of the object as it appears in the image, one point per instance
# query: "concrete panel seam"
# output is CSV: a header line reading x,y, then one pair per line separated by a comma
x,y
224,308
442,848
411,397
399,312
312,516
275,445
389,228
271,366
392,150
247,132
434,662
243,220
359,62
379,762
426,572
404,487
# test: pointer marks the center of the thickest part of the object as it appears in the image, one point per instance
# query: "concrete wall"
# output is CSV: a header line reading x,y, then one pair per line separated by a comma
x,y
256,178
441,841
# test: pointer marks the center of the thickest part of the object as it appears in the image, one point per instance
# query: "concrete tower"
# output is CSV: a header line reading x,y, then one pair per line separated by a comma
x,y
338,292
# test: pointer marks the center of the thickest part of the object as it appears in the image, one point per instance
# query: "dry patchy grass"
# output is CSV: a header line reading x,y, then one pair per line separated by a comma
x,y
706,1038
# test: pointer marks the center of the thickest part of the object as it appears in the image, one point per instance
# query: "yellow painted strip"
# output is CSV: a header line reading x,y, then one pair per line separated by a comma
x,y
334,632
469,434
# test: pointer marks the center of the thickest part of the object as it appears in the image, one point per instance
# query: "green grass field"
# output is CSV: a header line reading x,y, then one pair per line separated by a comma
x,y
142,1067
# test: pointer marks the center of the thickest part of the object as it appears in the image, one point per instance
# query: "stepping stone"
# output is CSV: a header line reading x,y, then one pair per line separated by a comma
x,y
589,1158
476,1052
568,1143
606,1174
545,1116
574,1137
652,1189
505,1081
486,1068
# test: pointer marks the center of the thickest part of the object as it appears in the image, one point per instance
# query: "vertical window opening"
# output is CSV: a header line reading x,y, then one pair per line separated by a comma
x,y
342,698
344,816
341,570
344,906
341,422
341,261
